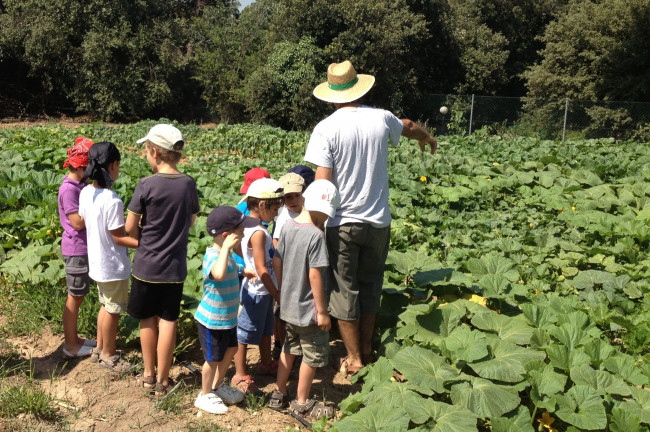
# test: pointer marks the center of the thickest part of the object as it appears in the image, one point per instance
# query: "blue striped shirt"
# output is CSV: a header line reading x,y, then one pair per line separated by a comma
x,y
220,303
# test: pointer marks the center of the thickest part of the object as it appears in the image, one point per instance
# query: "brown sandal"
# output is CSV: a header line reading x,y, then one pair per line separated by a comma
x,y
311,409
161,390
146,382
115,363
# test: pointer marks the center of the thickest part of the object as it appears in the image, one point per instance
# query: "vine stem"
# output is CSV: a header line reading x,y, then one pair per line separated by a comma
x,y
532,419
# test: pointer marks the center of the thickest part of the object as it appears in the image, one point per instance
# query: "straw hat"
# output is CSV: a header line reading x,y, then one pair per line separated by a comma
x,y
343,84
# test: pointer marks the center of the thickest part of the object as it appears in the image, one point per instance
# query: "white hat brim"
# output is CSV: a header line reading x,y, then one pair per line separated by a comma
x,y
324,93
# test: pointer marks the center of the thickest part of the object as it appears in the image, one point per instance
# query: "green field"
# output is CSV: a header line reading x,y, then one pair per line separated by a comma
x,y
516,285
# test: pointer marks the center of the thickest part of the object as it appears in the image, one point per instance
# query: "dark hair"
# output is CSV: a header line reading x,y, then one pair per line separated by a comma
x,y
100,156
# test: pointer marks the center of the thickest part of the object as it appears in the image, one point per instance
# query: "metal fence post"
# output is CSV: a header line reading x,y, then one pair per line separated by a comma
x,y
566,112
471,115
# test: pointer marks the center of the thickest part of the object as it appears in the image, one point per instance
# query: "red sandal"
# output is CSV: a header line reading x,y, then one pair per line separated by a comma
x,y
245,384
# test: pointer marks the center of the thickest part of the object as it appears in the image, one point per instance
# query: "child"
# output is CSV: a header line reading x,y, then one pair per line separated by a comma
x,y
74,248
108,261
255,321
298,262
161,212
250,176
294,185
217,312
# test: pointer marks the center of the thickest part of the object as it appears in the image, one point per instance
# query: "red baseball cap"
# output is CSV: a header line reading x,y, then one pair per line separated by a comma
x,y
252,175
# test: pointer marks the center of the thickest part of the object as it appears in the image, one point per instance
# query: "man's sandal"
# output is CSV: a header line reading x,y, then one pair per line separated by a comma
x,y
346,368
278,401
115,363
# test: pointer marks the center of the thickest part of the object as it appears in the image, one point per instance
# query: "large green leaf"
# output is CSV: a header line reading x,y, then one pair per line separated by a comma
x,y
546,381
466,344
374,418
507,362
569,335
583,408
411,260
563,357
520,422
493,265
622,420
624,366
511,329
425,368
590,278
601,381
484,398
439,321
441,417
640,405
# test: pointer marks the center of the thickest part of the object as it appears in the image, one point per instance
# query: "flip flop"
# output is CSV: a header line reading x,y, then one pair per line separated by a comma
x,y
347,369
83,351
90,343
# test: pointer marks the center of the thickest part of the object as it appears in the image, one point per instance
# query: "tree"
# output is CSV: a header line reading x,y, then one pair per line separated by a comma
x,y
584,55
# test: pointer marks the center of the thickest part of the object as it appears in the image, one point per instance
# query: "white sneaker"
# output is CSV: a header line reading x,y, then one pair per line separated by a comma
x,y
229,395
210,403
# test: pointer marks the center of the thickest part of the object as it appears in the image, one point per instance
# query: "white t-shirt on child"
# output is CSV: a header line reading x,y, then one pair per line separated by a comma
x,y
103,211
256,287
283,216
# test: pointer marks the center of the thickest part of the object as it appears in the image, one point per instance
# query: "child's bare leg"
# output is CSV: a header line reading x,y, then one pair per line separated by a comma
x,y
148,342
207,376
265,350
240,360
109,334
100,327
70,317
165,349
305,378
284,369
222,366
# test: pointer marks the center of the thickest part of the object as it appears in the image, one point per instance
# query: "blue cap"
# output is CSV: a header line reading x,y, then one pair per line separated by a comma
x,y
305,172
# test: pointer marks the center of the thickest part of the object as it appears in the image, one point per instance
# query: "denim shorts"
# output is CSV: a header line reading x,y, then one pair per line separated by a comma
x,y
255,318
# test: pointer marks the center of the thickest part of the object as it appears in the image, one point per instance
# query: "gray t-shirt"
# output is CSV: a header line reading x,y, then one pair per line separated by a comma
x,y
301,247
166,203
353,142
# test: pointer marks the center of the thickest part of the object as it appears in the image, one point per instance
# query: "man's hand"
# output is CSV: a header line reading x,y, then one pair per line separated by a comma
x,y
323,321
432,141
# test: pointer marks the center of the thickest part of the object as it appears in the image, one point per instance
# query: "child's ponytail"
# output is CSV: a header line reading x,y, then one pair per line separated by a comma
x,y
101,155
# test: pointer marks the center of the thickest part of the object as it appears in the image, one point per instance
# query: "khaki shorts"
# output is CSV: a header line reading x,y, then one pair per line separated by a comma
x,y
311,342
357,254
114,295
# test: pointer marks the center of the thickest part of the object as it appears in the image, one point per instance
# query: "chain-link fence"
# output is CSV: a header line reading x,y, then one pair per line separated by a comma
x,y
544,118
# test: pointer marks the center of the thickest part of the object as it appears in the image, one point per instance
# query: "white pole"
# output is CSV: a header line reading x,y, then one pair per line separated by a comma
x,y
566,112
471,115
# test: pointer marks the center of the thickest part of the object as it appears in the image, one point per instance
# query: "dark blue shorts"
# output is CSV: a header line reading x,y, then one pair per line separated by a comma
x,y
214,343
255,319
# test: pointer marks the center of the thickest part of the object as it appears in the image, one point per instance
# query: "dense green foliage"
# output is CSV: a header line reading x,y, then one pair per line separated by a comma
x,y
516,285
194,60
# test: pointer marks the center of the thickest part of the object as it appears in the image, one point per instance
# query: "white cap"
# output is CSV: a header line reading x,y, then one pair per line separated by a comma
x,y
322,196
264,188
165,136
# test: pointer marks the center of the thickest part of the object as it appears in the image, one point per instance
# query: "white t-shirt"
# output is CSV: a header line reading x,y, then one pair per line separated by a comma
x,y
283,216
256,287
353,142
103,211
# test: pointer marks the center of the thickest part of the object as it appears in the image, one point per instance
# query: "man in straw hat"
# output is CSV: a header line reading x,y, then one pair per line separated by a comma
x,y
350,148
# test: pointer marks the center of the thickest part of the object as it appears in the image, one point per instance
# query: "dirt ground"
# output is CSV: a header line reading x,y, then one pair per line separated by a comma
x,y
89,398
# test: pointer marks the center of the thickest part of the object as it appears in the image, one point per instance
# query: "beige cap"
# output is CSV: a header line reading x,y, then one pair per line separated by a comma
x,y
292,182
